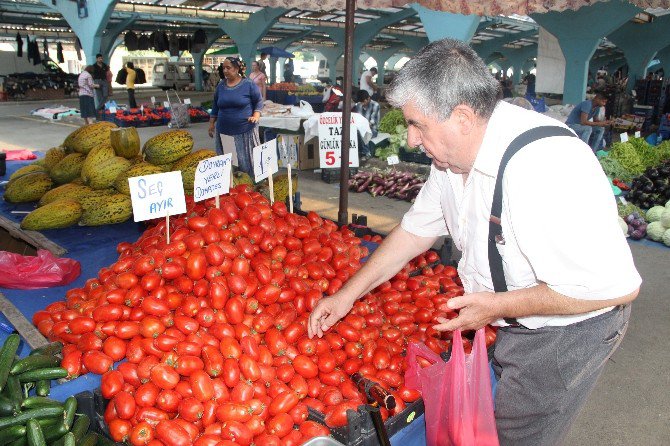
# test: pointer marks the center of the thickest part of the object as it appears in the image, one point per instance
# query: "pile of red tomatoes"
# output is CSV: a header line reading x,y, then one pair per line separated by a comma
x,y
209,330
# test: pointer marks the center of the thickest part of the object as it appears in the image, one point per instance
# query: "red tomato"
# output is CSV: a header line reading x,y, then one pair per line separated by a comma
x,y
119,429
233,412
311,429
146,394
97,362
201,385
164,376
280,425
171,434
124,403
305,367
111,383
283,403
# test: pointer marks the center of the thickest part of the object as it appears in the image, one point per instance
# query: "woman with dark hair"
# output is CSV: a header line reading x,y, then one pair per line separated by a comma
x,y
86,94
236,110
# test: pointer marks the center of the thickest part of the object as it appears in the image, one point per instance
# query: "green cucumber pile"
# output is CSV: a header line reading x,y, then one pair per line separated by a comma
x,y
32,418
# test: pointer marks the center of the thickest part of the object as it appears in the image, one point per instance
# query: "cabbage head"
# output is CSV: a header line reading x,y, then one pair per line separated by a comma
x,y
654,213
655,231
665,219
666,237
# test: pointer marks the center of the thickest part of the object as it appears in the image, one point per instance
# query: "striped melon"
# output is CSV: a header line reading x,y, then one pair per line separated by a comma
x,y
85,138
69,191
126,142
53,157
103,175
29,187
138,170
30,168
55,215
168,147
106,210
68,168
94,158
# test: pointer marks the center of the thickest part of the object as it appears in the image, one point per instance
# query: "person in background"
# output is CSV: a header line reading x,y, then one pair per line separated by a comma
x,y
366,82
261,63
583,120
87,89
110,91
288,70
258,78
130,84
506,88
332,97
236,110
370,111
529,80
568,303
100,72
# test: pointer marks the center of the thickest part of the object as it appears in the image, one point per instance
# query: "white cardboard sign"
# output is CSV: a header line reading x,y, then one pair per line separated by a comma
x,y
393,160
212,177
166,104
153,99
158,195
624,137
187,101
265,160
330,141
112,110
637,134
288,149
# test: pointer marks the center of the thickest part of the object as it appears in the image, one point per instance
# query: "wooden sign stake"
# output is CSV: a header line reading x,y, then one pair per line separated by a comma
x,y
167,227
272,189
216,201
290,189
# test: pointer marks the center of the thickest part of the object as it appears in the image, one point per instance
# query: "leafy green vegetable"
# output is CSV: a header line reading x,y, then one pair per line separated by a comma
x,y
628,158
627,209
613,169
655,231
655,213
391,120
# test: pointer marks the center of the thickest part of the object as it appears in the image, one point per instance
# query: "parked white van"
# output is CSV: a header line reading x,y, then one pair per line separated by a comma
x,y
172,75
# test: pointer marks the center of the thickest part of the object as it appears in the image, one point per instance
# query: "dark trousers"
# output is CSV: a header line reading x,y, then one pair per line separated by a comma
x,y
131,98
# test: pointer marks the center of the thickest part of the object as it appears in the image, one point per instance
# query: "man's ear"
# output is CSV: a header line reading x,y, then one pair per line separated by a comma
x,y
465,118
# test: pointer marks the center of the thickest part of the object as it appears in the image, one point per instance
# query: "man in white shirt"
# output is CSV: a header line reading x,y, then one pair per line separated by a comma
x,y
366,82
568,297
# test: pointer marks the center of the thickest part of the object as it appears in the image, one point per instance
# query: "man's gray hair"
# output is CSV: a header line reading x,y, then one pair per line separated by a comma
x,y
444,74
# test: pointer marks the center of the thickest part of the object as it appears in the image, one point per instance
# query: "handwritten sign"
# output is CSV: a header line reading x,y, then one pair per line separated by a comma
x,y
112,110
212,177
265,160
158,195
637,134
330,141
187,101
166,104
153,99
393,160
288,146
624,137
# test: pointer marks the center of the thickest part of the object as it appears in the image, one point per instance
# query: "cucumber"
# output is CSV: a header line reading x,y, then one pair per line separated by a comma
x,y
34,362
69,407
55,348
69,439
34,434
91,439
80,427
41,374
38,414
23,441
104,441
7,407
7,353
11,433
43,387
13,391
54,432
50,422
26,388
33,402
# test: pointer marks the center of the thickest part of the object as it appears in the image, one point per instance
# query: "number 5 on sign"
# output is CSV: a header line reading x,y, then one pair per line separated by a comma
x,y
265,160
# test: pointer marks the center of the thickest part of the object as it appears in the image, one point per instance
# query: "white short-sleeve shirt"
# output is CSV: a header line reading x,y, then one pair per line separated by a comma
x,y
559,218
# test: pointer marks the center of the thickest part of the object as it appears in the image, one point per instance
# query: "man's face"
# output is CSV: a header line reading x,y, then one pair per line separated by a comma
x,y
443,141
600,102
365,102
98,59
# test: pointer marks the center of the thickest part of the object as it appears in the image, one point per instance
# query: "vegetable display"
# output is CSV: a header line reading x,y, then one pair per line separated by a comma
x,y
629,159
391,120
27,414
390,183
652,188
212,326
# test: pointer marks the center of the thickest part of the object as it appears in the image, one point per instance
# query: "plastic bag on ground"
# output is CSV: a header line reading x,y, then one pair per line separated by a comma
x,y
20,155
456,394
32,272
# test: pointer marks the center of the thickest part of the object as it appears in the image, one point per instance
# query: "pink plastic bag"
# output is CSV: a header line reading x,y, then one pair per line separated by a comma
x,y
18,155
30,273
456,394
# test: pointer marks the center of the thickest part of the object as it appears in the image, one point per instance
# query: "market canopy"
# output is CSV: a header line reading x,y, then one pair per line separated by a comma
x,y
477,7
273,51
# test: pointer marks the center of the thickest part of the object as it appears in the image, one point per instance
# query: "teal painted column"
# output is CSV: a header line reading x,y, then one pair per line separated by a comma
x,y
332,55
414,43
89,29
247,33
381,57
393,60
579,33
440,25
488,47
110,36
284,44
640,42
516,58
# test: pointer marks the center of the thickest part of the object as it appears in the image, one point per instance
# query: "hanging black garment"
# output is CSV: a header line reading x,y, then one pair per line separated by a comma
x,y
183,44
37,57
143,43
173,45
19,45
45,46
59,53
160,41
199,42
77,47
130,40
29,49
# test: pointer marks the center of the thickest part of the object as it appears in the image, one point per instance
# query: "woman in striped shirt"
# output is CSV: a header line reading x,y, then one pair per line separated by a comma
x,y
87,94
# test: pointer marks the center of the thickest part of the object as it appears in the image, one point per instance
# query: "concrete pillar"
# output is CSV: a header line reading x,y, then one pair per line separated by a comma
x,y
579,33
640,42
284,44
110,36
664,56
199,56
516,58
89,29
415,43
247,33
381,57
440,25
332,54
488,47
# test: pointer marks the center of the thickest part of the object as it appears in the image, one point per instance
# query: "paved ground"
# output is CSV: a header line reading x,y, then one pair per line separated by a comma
x,y
630,406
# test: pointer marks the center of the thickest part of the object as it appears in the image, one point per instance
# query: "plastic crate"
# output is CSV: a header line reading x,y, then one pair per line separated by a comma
x,y
361,432
411,156
333,175
92,404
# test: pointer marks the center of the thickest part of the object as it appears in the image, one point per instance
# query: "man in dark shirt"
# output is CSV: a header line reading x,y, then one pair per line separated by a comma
x,y
100,70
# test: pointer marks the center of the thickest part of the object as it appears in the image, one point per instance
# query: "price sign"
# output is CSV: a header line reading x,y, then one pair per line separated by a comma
x,y
187,101
153,99
288,146
623,201
330,141
212,177
392,160
166,104
624,137
112,110
142,109
265,160
638,134
158,195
